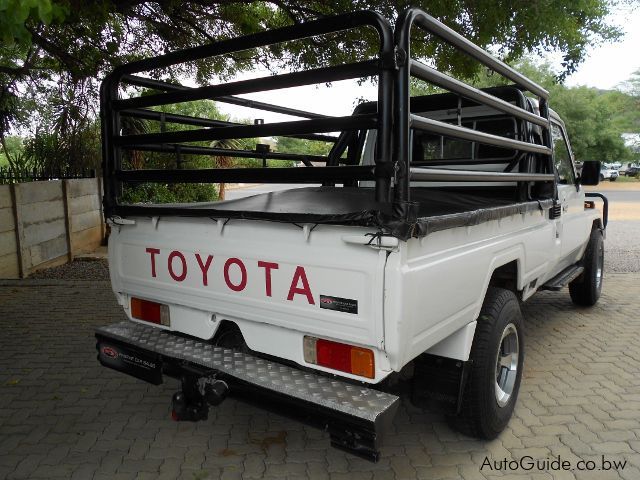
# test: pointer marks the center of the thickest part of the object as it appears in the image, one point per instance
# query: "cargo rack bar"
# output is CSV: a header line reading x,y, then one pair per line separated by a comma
x,y
261,84
186,149
443,80
331,124
244,102
250,175
391,116
436,126
445,175
313,126
163,117
405,120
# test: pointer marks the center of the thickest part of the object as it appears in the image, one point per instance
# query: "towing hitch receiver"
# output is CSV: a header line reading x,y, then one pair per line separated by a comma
x,y
191,403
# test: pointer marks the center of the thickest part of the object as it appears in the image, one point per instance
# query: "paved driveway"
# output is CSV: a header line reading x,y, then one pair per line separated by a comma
x,y
62,416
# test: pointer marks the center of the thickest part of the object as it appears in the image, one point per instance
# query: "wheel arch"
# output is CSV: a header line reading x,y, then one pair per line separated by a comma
x,y
506,276
505,273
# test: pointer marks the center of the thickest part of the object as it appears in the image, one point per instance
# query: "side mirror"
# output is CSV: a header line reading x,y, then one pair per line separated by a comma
x,y
590,173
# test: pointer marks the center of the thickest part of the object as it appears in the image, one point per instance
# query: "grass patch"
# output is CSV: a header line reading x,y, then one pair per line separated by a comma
x,y
626,179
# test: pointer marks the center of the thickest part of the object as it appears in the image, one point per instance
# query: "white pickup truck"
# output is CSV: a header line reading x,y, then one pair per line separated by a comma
x,y
403,262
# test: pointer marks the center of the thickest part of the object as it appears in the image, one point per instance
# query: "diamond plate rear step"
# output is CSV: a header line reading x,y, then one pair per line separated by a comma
x,y
355,416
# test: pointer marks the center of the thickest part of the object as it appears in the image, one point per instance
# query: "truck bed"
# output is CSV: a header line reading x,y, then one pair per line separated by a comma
x,y
434,208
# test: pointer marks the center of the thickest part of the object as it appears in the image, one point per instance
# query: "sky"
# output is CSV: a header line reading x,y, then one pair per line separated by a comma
x,y
606,67
609,65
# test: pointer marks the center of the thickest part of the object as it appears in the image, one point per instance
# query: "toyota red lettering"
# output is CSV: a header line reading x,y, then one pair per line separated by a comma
x,y
183,275
204,267
234,275
301,276
267,274
243,274
153,252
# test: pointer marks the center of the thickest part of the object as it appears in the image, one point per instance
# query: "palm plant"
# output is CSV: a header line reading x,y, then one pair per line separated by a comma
x,y
225,161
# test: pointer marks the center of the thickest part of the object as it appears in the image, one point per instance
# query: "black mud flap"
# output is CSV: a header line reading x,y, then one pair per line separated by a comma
x,y
439,383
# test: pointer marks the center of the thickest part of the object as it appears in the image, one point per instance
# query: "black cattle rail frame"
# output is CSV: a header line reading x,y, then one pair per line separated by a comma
x,y
392,118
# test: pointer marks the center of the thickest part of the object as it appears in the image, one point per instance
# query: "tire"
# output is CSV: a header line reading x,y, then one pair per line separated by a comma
x,y
585,290
613,179
601,177
485,411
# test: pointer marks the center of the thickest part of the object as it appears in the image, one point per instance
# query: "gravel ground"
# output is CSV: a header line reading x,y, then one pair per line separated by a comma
x,y
622,247
95,269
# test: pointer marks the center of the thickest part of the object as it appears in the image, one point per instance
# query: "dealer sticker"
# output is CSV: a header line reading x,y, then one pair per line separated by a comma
x,y
338,304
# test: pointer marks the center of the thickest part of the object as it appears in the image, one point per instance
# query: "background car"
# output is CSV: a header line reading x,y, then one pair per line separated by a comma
x,y
633,171
608,173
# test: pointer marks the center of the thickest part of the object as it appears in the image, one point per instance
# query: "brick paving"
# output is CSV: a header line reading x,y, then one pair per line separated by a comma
x,y
64,416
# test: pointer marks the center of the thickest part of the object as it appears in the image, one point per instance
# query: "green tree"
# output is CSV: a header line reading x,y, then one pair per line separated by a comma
x,y
45,42
299,145
14,149
595,119
592,122
176,192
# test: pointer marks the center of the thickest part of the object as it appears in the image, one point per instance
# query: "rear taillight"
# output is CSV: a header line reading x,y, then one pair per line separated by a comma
x,y
150,311
339,356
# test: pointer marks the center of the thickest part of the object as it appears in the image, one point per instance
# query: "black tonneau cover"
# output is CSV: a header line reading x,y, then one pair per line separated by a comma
x,y
434,209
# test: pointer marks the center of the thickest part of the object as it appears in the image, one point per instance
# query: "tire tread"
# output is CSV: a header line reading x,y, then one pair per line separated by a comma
x,y
471,419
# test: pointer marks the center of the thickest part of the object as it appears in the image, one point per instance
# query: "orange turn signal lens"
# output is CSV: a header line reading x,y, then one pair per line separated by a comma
x,y
362,362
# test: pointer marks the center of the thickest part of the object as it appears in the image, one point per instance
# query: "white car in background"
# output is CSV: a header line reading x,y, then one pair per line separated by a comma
x,y
609,173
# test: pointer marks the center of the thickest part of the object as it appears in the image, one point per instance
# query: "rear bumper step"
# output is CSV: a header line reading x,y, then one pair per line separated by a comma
x,y
355,416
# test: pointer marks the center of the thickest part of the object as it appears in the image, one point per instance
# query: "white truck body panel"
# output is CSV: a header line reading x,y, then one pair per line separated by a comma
x,y
411,296
272,322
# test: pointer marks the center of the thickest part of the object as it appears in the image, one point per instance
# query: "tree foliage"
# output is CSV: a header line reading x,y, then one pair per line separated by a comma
x,y
595,119
48,42
53,54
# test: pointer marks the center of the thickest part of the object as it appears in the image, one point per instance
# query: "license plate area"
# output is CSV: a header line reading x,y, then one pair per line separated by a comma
x,y
136,362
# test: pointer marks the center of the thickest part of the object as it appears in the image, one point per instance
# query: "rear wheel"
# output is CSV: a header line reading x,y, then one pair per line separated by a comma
x,y
585,290
497,354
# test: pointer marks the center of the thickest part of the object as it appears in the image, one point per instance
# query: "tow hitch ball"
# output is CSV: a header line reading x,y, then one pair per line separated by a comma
x,y
192,402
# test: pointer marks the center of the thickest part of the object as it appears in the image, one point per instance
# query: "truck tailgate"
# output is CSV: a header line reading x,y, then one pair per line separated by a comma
x,y
296,277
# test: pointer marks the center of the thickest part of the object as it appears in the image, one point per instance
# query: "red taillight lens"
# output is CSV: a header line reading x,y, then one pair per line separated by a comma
x,y
334,355
150,311
339,356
